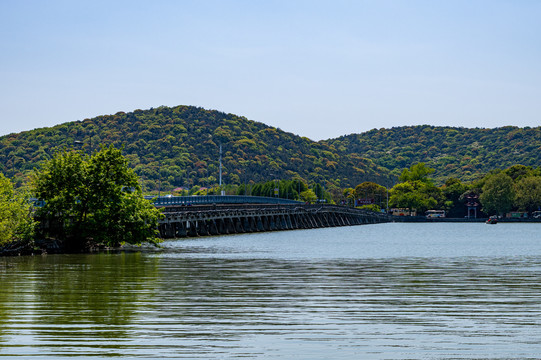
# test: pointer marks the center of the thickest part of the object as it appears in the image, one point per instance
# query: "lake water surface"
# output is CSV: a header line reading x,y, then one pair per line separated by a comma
x,y
387,291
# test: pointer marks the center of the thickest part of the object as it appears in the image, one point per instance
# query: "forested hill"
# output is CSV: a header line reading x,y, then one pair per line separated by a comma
x,y
179,146
454,152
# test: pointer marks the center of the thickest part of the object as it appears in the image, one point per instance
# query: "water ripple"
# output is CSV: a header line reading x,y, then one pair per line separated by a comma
x,y
195,299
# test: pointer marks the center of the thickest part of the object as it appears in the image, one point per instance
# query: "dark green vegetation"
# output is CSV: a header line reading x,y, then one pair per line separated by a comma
x,y
180,147
96,199
462,153
91,200
173,147
85,202
517,188
16,223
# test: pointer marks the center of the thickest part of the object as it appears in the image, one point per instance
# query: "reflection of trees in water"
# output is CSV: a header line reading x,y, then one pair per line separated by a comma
x,y
81,292
12,292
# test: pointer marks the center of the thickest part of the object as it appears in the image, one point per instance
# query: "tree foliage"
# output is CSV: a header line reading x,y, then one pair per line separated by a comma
x,y
288,189
528,194
497,194
517,188
179,147
415,195
309,196
416,172
169,147
16,224
93,200
463,153
371,190
453,191
416,191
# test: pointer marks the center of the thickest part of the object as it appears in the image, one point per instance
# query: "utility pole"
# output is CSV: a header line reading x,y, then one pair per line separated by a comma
x,y
387,201
221,191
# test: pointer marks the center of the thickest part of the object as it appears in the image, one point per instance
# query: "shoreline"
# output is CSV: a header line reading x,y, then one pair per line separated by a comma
x,y
423,219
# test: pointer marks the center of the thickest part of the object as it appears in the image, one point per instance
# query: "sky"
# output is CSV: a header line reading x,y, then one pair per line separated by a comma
x,y
319,69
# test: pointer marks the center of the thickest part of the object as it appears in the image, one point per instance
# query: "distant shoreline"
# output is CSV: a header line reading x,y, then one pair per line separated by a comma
x,y
459,220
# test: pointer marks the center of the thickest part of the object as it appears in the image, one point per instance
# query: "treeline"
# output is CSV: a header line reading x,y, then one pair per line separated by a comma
x,y
285,189
97,200
517,188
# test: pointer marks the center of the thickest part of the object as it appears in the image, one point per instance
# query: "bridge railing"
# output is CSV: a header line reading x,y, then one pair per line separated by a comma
x,y
219,199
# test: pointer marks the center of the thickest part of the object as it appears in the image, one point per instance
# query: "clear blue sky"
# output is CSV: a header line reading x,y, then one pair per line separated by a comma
x,y
319,69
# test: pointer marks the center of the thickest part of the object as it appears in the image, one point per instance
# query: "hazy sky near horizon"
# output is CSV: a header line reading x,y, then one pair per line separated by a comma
x,y
319,69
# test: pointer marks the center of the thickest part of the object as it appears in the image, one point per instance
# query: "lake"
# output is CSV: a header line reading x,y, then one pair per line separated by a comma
x,y
385,291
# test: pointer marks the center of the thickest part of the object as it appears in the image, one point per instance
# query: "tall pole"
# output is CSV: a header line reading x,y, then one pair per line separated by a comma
x,y
221,168
387,201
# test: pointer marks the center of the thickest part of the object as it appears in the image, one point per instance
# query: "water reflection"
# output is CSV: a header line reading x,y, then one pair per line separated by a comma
x,y
58,302
209,299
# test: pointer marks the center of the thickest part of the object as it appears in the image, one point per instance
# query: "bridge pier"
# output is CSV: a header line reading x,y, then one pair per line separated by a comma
x,y
192,229
202,228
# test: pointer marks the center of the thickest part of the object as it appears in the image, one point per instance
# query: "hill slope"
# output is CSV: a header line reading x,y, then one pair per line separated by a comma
x,y
179,146
454,152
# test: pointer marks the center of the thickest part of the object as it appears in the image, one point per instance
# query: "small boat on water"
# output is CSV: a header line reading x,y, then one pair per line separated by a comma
x,y
492,220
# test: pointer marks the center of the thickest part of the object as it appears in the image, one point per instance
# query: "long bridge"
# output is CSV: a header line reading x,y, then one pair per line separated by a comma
x,y
221,216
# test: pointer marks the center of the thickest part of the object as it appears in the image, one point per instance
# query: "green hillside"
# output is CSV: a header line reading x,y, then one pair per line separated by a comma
x,y
453,152
179,146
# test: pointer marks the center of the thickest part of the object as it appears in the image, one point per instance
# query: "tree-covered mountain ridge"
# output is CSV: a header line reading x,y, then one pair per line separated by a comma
x,y
179,146
464,153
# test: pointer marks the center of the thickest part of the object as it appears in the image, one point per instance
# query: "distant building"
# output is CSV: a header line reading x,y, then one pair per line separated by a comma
x,y
472,203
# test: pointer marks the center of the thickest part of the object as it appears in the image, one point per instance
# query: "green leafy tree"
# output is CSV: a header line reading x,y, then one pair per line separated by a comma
x,y
417,172
497,194
414,195
371,207
94,200
321,193
371,190
309,196
336,195
452,191
16,224
528,193
287,189
349,196
517,172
